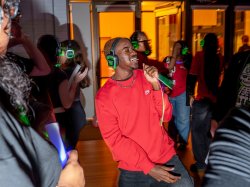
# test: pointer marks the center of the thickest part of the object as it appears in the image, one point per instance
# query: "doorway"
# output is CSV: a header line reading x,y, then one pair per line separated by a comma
x,y
202,26
162,22
111,25
242,26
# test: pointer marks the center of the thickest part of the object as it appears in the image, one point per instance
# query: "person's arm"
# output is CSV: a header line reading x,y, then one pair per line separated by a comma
x,y
67,92
122,147
191,82
72,175
41,67
161,101
192,78
176,54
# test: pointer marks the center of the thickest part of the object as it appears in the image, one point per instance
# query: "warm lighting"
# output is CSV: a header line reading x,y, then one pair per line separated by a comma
x,y
71,27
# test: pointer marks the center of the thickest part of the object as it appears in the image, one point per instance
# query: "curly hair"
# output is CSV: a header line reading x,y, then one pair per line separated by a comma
x,y
14,84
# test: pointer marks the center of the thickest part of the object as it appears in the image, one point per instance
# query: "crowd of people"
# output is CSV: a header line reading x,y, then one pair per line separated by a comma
x,y
205,98
26,158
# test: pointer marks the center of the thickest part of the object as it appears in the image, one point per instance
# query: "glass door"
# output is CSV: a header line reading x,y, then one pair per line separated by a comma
x,y
202,25
161,20
114,21
242,26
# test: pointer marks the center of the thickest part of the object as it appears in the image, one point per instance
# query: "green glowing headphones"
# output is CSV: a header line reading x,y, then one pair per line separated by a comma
x,y
135,44
112,58
184,50
66,51
184,47
202,42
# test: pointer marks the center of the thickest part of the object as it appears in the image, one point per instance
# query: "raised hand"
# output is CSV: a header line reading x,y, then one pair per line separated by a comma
x,y
151,74
81,75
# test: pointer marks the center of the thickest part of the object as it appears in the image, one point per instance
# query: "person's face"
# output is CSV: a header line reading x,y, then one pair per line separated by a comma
x,y
62,59
127,56
4,29
142,39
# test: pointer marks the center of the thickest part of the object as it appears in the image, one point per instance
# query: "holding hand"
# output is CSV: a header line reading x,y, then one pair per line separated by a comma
x,y
162,173
151,74
81,75
72,175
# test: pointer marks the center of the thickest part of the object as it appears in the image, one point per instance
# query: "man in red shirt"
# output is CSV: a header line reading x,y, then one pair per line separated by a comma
x,y
130,110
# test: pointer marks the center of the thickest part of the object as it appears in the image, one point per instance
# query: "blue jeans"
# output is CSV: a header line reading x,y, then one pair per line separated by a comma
x,y
200,129
139,179
181,114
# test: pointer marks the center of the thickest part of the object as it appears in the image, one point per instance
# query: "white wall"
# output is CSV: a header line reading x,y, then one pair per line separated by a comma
x,y
41,17
44,17
82,33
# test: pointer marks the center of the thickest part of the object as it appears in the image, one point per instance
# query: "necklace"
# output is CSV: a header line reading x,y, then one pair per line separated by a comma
x,y
128,85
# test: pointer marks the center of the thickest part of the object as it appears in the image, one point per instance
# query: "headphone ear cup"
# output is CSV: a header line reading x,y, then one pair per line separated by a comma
x,y
202,43
70,53
184,51
135,44
112,61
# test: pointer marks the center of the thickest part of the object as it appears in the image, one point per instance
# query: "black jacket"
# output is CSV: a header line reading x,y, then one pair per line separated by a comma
x,y
230,87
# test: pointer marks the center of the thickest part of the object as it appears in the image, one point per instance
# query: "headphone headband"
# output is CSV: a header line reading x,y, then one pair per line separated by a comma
x,y
112,50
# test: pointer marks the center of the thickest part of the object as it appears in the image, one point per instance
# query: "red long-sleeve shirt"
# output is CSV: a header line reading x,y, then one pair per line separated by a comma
x,y
128,114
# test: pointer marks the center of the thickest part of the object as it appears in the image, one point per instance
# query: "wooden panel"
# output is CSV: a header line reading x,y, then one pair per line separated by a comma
x,y
99,167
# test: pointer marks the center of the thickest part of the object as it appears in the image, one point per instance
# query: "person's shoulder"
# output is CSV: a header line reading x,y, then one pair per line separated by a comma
x,y
241,57
106,91
242,54
138,72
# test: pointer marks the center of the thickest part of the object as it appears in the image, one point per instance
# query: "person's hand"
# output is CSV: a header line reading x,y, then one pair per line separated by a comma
x,y
17,36
81,75
214,126
191,100
167,90
163,173
151,74
72,175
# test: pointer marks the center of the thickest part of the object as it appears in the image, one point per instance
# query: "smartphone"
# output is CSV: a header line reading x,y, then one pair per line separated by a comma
x,y
82,69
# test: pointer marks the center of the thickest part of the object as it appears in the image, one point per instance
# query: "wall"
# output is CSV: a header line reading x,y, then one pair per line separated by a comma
x,y
148,26
44,17
82,34
50,17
